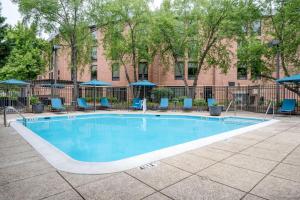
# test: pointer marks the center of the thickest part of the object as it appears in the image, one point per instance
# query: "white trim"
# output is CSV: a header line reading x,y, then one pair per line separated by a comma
x,y
63,162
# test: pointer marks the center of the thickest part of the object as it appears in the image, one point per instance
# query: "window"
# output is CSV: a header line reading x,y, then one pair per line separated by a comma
x,y
241,72
93,72
179,70
94,53
115,68
94,33
192,68
256,27
143,71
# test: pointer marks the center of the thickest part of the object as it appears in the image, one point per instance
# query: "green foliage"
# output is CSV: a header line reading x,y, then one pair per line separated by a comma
x,y
34,100
4,43
28,56
281,21
112,100
199,102
215,104
159,93
126,26
68,19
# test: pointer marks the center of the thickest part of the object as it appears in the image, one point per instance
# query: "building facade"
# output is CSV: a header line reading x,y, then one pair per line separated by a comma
x,y
105,70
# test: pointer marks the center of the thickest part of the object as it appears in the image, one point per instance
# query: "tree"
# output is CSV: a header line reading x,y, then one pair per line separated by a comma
x,y
280,21
67,18
126,27
4,45
216,29
173,31
28,56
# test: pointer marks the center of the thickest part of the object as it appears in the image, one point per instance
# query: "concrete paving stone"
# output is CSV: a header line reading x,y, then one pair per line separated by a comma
x,y
252,163
293,159
34,188
277,189
286,138
24,170
67,195
157,196
242,141
81,179
119,186
196,188
211,153
15,149
287,171
229,146
189,162
251,136
236,177
12,143
19,158
278,147
159,176
252,197
264,153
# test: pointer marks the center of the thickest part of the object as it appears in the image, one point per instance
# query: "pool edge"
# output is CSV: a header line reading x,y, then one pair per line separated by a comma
x,y
63,162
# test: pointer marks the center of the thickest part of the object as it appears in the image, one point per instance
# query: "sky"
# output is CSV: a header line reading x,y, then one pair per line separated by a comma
x,y
10,10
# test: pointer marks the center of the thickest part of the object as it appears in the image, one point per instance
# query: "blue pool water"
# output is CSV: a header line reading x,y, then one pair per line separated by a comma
x,y
110,137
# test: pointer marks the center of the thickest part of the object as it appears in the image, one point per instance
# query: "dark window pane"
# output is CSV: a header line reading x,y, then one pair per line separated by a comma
x,y
241,72
143,71
256,27
115,72
179,70
93,72
94,53
192,68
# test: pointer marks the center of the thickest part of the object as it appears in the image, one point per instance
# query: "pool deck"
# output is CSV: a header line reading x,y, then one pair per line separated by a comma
x,y
261,164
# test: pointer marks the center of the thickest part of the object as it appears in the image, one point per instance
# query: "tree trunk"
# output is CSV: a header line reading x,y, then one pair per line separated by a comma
x,y
209,44
74,71
186,85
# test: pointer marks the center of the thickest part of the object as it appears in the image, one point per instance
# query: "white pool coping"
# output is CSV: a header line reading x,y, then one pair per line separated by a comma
x,y
63,162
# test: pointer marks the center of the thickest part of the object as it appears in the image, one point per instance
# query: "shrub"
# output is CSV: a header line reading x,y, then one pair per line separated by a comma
x,y
159,93
199,102
112,99
34,100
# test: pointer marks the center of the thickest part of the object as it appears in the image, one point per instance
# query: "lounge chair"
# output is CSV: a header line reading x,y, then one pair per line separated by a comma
x,y
105,103
56,105
137,104
81,103
211,102
288,106
164,104
187,104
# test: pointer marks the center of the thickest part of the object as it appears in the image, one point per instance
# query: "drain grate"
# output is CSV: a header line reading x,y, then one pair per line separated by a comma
x,y
147,166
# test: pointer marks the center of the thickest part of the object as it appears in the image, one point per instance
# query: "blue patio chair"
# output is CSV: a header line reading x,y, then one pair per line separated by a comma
x,y
288,106
211,101
81,103
56,105
187,104
105,103
164,104
137,104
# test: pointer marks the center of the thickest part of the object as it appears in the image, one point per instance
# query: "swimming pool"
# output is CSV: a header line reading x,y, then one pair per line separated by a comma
x,y
111,138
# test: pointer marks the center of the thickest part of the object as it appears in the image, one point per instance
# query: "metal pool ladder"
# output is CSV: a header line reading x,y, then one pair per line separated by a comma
x,y
269,106
232,101
16,111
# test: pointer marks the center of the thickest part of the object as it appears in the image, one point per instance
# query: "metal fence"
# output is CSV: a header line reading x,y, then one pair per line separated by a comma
x,y
248,98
